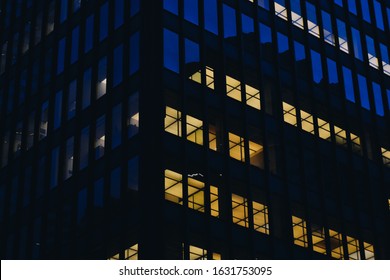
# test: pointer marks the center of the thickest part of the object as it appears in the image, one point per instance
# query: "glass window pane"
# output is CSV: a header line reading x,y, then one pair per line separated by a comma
x,y
211,16
332,71
172,6
119,13
71,110
348,84
191,11
364,100
378,99
378,15
118,65
357,47
316,66
57,110
61,55
229,22
103,27
88,44
84,147
366,10
116,126
74,52
171,50
102,78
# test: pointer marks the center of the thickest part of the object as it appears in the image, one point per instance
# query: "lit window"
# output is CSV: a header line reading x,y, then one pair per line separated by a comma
x,y
100,137
173,121
312,25
214,206
323,129
133,115
328,30
385,156
194,130
197,253
102,78
280,9
343,40
340,136
296,12
132,253
233,88
353,248
260,217
299,231
236,147
212,137
307,122
371,53
252,97
256,154
355,142
336,244
289,114
210,77
318,238
69,158
369,251
173,187
195,195
240,210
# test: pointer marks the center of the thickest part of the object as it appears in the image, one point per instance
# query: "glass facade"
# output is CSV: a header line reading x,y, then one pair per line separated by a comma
x,y
239,129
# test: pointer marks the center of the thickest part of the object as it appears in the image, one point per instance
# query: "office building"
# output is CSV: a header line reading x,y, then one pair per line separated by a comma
x,y
195,129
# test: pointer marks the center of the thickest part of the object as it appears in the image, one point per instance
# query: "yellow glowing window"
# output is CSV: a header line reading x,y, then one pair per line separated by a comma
x,y
256,154
260,217
336,244
173,187
132,253
299,231
233,88
297,19
323,129
195,194
280,11
369,251
355,142
252,97
194,130
289,114
115,257
236,147
385,156
353,248
307,122
389,202
214,206
340,135
212,137
197,77
197,253
172,121
210,77
318,238
240,210
217,256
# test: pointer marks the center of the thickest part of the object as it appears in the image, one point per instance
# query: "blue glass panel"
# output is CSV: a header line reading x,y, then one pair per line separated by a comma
x,y
265,34
134,7
352,6
364,99
378,15
118,65
115,183
332,71
57,110
316,66
264,4
63,10
134,53
98,189
88,34
86,98
132,174
282,43
348,84
378,99
74,52
299,51
229,22
357,46
366,10
119,6
172,6
247,24
61,56
211,16
116,126
191,51
171,50
191,11
103,27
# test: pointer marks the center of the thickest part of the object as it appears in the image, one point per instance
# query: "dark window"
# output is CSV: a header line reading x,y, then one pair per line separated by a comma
x,y
98,193
102,78
357,46
229,22
191,11
135,5
134,53
119,13
299,51
71,112
282,43
81,205
348,84
172,6
118,65
55,155
171,50
366,10
115,183
63,10
74,52
86,98
100,137
191,51
247,24
89,34
103,32
132,174
68,171
364,100
84,147
61,55
316,66
378,99
57,110
211,16
332,71
264,4
116,126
